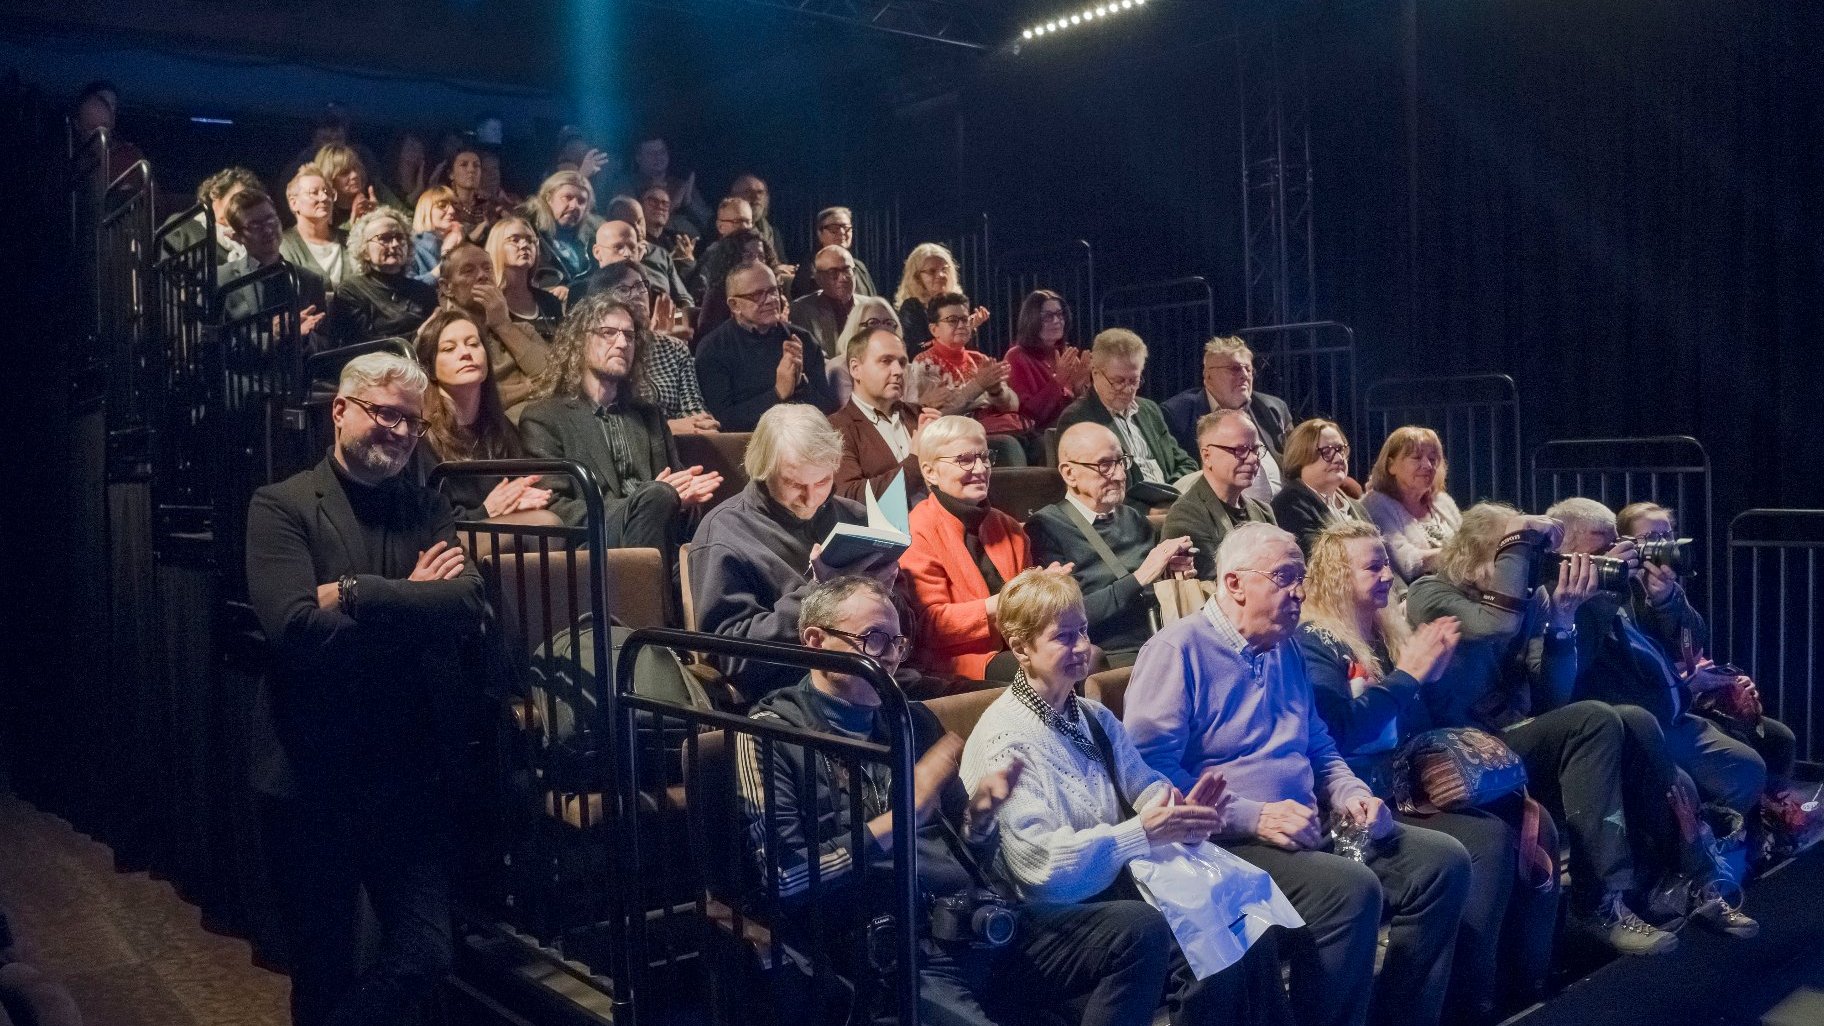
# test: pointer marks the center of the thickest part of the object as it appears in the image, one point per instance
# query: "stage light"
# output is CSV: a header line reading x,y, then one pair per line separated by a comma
x,y
1086,16
1026,34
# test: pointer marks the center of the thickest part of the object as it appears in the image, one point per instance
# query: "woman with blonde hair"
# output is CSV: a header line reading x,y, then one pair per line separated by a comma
x,y
1315,464
930,271
513,249
1407,501
356,191
435,231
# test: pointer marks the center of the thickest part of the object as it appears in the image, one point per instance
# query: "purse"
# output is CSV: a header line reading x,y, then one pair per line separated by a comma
x,y
1454,768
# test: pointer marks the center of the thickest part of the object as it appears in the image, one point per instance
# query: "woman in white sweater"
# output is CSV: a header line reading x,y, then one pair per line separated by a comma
x,y
1068,829
1407,501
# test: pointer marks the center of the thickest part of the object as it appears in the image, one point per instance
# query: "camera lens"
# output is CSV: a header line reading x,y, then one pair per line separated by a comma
x,y
994,924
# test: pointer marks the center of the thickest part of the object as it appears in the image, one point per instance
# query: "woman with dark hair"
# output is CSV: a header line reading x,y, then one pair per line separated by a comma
x,y
1043,368
409,166
465,421
461,174
1316,464
516,351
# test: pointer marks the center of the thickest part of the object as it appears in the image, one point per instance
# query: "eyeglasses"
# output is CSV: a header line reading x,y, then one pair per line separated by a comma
x,y
1331,453
390,418
1051,315
836,272
387,238
970,460
760,295
631,291
610,332
733,222
952,321
1107,467
871,323
1122,384
837,228
1242,453
873,644
1278,577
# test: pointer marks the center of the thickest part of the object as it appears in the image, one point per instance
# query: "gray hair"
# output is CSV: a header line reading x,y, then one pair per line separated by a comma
x,y
1581,516
357,235
1213,420
1116,344
795,431
1246,547
945,430
378,370
1227,345
823,606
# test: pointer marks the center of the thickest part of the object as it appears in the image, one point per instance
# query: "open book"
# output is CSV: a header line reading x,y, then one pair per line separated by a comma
x,y
887,532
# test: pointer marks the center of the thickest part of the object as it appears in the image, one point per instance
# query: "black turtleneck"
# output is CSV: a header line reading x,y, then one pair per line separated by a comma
x,y
972,515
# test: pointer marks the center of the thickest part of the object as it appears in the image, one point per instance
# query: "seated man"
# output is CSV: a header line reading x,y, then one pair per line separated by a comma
x,y
755,561
879,432
254,223
667,374
1115,955
1218,500
835,227
615,241
1227,689
826,311
587,411
566,232
1117,360
757,359
1228,384
662,233
379,300
1108,542
655,260
215,190
1630,650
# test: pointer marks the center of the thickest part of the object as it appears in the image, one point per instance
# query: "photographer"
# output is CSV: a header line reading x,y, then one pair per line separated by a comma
x,y
1115,965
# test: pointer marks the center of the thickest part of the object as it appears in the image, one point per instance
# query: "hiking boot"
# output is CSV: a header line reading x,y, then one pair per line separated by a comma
x,y
1716,915
1707,903
1616,925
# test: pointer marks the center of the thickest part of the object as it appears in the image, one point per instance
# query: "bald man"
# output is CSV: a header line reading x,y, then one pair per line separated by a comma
x,y
615,241
826,311
1109,542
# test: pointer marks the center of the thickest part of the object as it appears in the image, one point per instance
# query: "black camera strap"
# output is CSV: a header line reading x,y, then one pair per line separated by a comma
x,y
960,849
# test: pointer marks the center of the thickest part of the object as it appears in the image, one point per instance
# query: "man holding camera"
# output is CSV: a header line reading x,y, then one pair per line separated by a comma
x,y
968,932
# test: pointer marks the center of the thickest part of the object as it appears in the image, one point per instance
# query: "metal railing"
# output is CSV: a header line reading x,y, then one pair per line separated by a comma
x,y
1671,470
184,288
1776,579
1175,317
761,908
123,244
1311,365
1476,416
1068,269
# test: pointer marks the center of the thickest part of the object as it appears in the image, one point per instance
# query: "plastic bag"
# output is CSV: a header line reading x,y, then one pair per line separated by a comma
x,y
1217,903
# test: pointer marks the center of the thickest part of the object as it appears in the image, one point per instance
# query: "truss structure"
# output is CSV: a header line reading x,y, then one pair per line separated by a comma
x,y
952,22
1280,258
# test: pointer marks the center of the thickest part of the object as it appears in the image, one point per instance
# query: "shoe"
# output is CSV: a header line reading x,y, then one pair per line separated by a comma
x,y
1616,925
1715,915
1708,904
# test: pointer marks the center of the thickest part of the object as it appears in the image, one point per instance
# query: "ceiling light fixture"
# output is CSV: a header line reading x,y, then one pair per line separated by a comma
x,y
1087,15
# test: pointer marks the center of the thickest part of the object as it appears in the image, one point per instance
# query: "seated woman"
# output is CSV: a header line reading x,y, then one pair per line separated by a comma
x,y
435,231
930,272
517,352
464,420
963,551
1315,463
1407,501
378,299
952,376
1085,804
513,249
356,191
1366,668
1043,368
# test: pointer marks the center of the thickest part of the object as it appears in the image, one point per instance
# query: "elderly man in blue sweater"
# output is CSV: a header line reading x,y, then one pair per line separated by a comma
x,y
1226,688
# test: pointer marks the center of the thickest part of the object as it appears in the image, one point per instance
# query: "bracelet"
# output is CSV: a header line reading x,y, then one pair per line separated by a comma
x,y
345,594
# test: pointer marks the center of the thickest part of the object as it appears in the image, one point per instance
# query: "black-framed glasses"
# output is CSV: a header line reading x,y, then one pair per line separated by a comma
x,y
873,644
390,418
760,295
1278,577
1106,467
837,227
629,291
1123,384
1331,453
388,238
1242,453
970,460
952,321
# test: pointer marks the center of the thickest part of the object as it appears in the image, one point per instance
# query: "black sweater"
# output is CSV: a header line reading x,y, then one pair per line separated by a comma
x,y
735,368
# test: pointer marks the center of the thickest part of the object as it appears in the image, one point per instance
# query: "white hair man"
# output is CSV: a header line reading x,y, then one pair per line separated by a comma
x,y
756,556
363,591
1226,689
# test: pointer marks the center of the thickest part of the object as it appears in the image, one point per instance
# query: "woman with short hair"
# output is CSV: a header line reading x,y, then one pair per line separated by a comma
x,y
1315,464
435,231
378,300
465,420
1043,368
513,249
356,191
314,242
1407,501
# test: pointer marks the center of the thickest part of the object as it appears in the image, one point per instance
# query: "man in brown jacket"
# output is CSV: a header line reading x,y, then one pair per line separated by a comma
x,y
879,430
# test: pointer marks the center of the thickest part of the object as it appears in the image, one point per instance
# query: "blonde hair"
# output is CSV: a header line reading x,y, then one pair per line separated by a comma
x,y
945,430
1301,445
309,171
1227,345
427,207
1467,555
1402,441
334,159
1627,522
497,245
1116,344
909,285
1033,601
793,430
540,205
1330,597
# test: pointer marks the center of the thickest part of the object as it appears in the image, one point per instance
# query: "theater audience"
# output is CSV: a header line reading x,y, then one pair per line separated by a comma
x,y
951,376
615,241
361,586
1043,368
410,168
516,351
1512,675
586,410
879,429
827,309
745,246
1117,360
513,249
963,551
1228,384
835,227
1108,543
688,213
314,241
356,193
461,174
1407,501
254,223
930,272
1217,501
661,233
1316,462
666,375
1366,668
755,557
215,190
379,300
1227,690
752,188
435,231
658,265
1083,806
757,359
466,421
563,214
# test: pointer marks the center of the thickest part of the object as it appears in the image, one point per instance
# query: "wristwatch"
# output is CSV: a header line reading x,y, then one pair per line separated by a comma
x,y
345,594
1565,634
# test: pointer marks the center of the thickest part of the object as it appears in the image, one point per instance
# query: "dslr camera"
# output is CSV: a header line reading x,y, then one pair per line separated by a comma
x,y
1611,574
977,917
1672,553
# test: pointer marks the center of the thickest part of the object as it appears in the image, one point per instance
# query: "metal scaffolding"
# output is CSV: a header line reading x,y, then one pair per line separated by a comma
x,y
1280,261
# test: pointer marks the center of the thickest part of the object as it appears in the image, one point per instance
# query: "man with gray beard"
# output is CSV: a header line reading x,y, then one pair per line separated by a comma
x,y
366,599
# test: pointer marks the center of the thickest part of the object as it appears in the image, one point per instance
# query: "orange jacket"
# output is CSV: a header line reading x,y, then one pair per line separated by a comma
x,y
955,635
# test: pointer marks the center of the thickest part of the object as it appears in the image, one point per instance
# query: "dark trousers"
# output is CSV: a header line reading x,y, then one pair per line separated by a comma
x,y
649,519
1507,922
1725,770
323,856
1418,876
1655,786
1574,761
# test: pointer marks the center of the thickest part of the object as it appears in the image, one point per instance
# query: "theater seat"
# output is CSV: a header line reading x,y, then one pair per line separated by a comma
x,y
1109,688
543,593
1019,491
960,713
718,833
720,451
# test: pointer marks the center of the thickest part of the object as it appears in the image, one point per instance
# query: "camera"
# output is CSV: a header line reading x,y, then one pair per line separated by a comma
x,y
1672,553
1612,574
978,917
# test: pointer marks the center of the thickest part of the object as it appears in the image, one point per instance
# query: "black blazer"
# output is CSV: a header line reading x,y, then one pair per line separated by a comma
x,y
349,703
270,292
1201,516
566,429
1299,510
1270,413
1116,606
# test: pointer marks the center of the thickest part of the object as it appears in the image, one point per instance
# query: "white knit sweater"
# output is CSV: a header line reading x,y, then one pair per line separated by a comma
x,y
1062,837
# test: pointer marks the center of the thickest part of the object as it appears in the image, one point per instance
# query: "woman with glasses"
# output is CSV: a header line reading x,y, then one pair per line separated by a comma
x,y
435,231
315,242
963,551
379,300
1407,501
513,249
1316,463
953,376
1044,369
